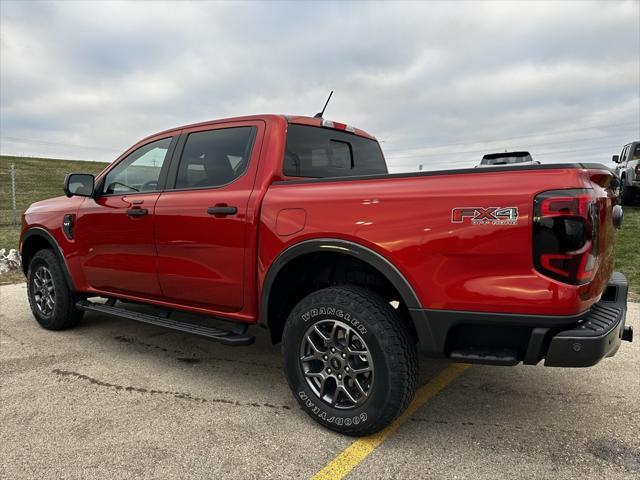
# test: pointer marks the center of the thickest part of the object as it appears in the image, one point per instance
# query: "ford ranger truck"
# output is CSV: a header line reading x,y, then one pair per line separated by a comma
x,y
294,224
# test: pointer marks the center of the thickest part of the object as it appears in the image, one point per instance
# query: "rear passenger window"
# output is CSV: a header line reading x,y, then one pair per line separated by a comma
x,y
321,152
215,157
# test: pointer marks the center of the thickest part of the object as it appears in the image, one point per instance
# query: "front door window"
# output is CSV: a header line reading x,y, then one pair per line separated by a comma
x,y
139,171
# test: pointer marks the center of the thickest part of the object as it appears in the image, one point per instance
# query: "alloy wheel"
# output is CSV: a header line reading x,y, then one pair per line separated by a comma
x,y
44,294
337,364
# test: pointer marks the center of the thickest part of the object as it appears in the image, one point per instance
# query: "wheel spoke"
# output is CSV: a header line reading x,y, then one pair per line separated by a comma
x,y
313,345
323,380
321,333
334,332
358,371
346,391
358,352
360,389
334,398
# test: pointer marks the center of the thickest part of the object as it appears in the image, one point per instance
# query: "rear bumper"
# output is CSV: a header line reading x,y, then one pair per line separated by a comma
x,y
599,333
506,339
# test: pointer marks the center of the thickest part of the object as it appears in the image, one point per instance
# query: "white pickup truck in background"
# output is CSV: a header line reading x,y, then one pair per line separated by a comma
x,y
507,158
628,169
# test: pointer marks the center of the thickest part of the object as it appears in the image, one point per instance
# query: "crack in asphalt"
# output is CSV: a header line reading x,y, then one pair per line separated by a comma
x,y
8,335
180,395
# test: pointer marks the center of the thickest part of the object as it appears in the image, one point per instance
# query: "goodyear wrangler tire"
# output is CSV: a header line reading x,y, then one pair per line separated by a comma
x,y
350,359
50,299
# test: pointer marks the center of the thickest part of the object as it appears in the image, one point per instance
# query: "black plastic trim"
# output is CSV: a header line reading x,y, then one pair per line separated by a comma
x,y
41,232
374,259
68,224
222,210
433,326
598,335
500,168
579,340
227,337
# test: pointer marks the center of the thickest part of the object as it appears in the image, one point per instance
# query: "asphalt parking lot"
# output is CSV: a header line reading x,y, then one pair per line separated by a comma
x,y
116,399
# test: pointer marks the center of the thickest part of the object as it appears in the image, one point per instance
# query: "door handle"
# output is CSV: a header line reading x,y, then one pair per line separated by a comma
x,y
222,210
137,212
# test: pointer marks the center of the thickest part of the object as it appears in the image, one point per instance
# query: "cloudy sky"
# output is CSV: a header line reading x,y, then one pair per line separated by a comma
x,y
439,83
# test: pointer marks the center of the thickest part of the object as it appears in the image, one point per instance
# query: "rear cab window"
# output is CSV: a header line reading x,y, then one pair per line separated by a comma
x,y
316,152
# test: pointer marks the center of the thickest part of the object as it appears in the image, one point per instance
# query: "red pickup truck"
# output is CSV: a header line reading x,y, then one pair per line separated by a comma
x,y
294,224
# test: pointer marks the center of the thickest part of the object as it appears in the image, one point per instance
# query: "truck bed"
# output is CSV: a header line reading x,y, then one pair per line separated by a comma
x,y
407,218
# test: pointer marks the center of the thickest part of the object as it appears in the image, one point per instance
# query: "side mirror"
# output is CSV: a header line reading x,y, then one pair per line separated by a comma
x,y
79,184
615,159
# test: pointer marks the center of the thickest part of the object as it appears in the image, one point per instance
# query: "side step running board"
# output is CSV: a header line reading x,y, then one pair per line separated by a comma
x,y
484,355
223,336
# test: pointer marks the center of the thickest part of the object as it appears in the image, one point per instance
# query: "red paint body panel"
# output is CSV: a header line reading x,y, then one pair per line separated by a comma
x,y
201,257
181,257
117,252
450,266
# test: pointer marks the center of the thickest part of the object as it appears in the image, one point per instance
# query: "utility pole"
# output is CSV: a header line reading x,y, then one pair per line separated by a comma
x,y
13,194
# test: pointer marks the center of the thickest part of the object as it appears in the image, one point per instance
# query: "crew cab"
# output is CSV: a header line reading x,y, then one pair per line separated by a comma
x,y
628,170
294,224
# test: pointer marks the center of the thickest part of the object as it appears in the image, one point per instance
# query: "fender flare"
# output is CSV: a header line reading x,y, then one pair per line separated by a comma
x,y
44,234
372,258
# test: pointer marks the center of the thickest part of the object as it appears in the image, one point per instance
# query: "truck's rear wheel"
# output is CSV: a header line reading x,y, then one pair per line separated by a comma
x,y
50,299
350,359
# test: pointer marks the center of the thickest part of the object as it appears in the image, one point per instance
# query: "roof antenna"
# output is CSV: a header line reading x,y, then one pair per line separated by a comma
x,y
319,114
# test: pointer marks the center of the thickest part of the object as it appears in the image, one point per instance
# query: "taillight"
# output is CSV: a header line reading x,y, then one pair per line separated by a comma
x,y
637,169
565,235
337,125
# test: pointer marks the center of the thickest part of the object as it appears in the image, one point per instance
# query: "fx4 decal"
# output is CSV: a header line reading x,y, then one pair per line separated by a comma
x,y
483,215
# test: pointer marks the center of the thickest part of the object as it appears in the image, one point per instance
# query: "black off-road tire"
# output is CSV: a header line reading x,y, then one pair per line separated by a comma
x,y
627,195
63,313
386,336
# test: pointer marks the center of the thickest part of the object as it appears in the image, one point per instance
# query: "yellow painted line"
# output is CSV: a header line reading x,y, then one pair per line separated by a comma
x,y
355,453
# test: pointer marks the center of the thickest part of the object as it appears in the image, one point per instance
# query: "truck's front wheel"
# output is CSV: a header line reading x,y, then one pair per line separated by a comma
x,y
350,359
51,300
